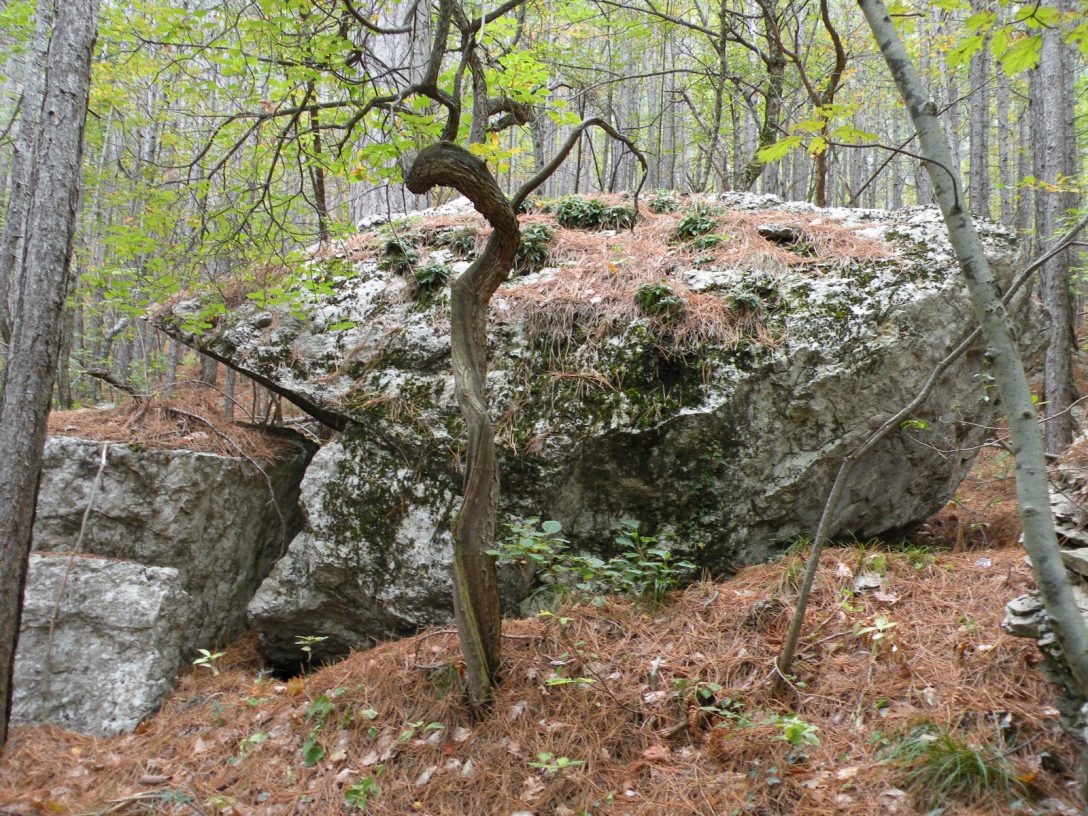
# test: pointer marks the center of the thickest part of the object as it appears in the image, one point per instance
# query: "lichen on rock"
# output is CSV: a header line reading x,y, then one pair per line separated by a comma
x,y
718,423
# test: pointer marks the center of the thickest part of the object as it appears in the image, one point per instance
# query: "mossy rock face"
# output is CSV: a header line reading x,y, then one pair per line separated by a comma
x,y
728,447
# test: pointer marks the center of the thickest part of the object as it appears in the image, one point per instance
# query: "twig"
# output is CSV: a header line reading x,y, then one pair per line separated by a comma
x,y
48,674
785,661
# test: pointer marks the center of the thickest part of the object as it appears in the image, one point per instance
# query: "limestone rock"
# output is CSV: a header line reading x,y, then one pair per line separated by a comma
x,y
1025,615
217,521
723,446
120,635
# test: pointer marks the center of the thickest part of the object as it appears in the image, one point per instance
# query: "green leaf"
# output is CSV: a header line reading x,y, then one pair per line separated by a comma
x,y
964,50
342,325
1022,55
779,149
312,752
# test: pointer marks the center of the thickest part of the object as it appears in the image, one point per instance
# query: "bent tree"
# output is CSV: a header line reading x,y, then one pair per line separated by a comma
x,y
475,585
43,287
1040,540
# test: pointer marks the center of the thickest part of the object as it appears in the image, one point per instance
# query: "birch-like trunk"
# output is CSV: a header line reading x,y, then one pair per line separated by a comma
x,y
1033,498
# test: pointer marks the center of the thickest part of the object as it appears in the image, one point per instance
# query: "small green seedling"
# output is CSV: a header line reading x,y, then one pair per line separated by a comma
x,y
207,661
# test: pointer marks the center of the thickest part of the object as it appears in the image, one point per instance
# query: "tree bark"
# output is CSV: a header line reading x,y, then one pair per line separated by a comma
x,y
979,134
1033,498
36,333
475,584
1052,125
11,244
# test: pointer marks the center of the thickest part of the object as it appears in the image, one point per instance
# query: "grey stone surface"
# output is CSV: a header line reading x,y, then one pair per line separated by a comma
x,y
1025,616
726,448
211,518
120,634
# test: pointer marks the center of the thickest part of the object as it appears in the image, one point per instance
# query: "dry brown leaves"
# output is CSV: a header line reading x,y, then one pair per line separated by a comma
x,y
192,419
612,712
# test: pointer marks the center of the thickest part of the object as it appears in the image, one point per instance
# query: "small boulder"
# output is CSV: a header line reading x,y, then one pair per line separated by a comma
x,y
101,642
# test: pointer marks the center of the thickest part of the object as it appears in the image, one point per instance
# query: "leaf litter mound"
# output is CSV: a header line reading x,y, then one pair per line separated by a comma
x,y
594,276
192,419
610,709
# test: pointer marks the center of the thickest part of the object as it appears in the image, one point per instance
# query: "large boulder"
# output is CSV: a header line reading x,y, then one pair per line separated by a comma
x,y
220,522
708,393
101,642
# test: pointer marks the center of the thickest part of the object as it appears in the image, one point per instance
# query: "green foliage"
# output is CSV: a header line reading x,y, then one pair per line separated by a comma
x,y
700,220
576,212
645,569
359,794
659,300
534,248
431,276
937,767
247,743
551,764
317,714
401,256
796,731
463,244
618,217
207,660
663,201
306,643
704,242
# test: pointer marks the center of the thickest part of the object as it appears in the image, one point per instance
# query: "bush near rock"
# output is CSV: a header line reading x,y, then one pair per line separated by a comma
x,y
718,426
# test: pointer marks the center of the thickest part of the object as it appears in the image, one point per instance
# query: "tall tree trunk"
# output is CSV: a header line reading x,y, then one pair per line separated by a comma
x,y
1005,153
1032,494
36,332
1052,131
11,244
978,193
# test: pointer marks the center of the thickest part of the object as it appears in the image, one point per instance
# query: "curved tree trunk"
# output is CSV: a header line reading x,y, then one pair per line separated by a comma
x,y
475,592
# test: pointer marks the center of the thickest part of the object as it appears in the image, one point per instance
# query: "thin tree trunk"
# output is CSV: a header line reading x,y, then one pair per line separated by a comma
x,y
475,583
36,332
978,193
1052,125
1033,497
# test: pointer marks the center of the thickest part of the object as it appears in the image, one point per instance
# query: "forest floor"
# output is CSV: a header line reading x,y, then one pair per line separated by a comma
x,y
908,699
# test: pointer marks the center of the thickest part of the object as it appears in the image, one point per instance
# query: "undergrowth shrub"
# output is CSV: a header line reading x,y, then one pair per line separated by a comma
x,y
937,767
663,201
646,569
401,256
618,217
659,300
575,212
432,276
534,248
700,220
705,242
462,243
